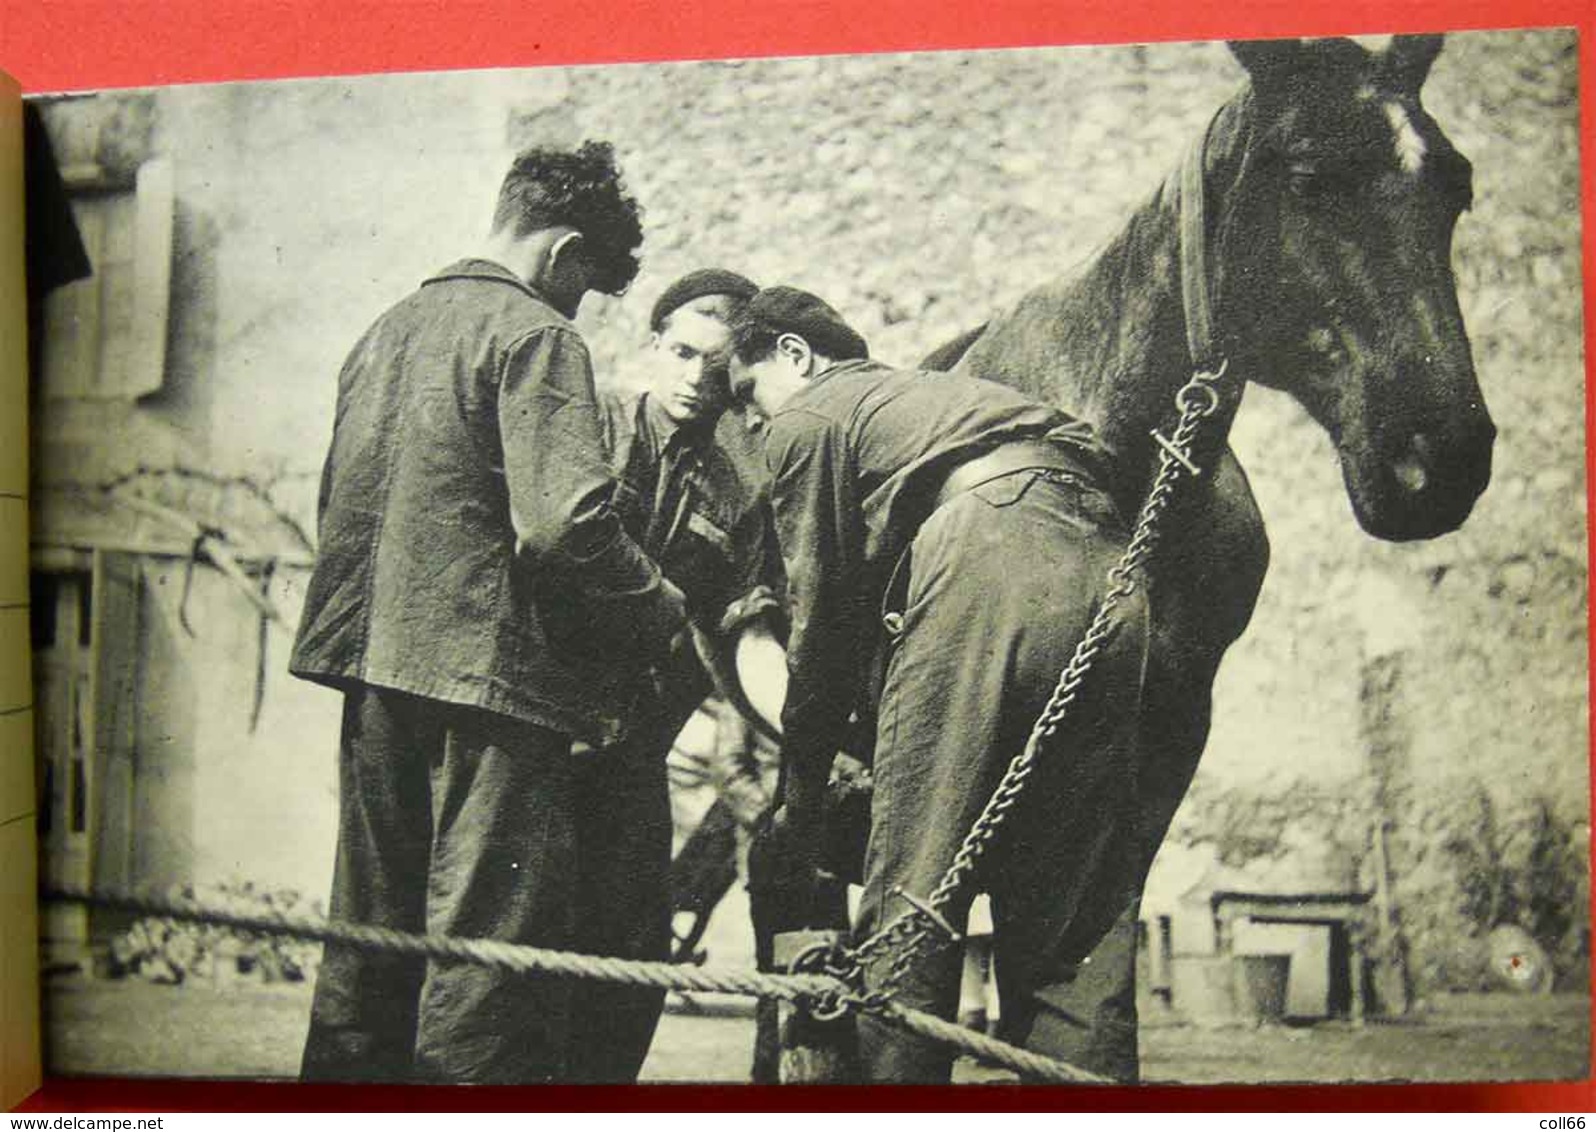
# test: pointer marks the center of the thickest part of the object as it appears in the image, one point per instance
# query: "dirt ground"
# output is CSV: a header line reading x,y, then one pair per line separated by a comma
x,y
130,1028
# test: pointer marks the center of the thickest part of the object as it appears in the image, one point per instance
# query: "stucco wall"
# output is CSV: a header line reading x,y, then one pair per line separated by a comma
x,y
220,800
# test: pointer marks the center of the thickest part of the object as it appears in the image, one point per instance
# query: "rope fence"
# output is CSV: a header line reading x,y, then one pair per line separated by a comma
x,y
523,960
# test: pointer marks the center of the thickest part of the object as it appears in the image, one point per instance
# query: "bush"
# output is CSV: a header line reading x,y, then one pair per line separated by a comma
x,y
1462,864
163,949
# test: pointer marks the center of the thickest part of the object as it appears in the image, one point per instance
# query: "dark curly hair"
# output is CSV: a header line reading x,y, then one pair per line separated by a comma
x,y
549,187
752,339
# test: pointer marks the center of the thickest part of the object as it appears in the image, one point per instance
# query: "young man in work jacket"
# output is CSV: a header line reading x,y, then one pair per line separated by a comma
x,y
691,492
692,489
475,600
964,528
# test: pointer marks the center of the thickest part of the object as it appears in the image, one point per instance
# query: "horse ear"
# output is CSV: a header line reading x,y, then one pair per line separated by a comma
x,y
1267,60
1409,58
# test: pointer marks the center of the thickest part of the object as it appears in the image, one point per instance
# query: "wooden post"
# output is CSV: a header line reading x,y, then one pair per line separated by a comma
x,y
784,905
1391,976
1355,973
1392,630
813,1052
1382,881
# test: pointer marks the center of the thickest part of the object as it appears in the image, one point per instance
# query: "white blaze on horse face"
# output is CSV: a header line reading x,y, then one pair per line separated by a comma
x,y
1410,147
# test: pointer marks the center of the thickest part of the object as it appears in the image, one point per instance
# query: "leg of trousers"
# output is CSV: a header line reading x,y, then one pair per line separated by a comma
x,y
363,1016
459,822
1003,584
623,902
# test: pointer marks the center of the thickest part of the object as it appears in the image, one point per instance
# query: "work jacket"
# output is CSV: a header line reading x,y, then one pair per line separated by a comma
x,y
696,498
468,551
857,458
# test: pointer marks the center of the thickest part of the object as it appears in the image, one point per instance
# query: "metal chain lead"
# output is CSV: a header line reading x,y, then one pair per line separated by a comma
x,y
1196,400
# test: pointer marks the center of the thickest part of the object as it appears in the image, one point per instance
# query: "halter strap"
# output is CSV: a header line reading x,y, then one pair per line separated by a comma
x,y
1195,293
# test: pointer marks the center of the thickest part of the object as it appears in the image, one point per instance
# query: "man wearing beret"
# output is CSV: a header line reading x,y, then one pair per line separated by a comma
x,y
692,486
473,588
946,539
691,491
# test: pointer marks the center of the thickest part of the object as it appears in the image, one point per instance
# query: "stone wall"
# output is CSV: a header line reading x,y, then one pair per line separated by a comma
x,y
920,193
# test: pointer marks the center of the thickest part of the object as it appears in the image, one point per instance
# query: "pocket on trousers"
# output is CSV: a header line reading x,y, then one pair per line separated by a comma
x,y
1005,491
1076,501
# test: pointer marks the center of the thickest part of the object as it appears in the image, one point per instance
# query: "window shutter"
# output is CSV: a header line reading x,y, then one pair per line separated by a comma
x,y
105,336
152,278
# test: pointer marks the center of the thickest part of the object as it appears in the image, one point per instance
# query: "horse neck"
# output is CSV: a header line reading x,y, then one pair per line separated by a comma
x,y
1124,326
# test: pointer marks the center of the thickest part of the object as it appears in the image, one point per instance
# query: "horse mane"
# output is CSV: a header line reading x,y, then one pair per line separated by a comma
x,y
1089,339
947,355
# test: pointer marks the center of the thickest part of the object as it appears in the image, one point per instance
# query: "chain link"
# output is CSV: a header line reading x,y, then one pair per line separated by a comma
x,y
909,934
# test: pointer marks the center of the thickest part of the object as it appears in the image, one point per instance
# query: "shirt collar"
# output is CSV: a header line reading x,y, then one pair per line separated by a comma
x,y
663,431
849,366
656,424
485,269
836,369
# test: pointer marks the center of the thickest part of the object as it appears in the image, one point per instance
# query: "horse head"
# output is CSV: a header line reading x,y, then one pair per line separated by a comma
x,y
1339,223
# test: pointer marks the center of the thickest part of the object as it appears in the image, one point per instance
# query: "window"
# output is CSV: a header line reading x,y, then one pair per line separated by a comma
x,y
105,336
41,610
61,610
85,614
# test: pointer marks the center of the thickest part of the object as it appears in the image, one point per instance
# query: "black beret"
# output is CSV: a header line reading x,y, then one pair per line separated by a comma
x,y
787,310
696,285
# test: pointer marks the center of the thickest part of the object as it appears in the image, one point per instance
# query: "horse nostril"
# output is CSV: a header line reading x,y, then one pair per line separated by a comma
x,y
1411,474
1412,467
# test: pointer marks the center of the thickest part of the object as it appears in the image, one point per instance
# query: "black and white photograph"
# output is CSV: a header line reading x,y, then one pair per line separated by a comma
x,y
1044,565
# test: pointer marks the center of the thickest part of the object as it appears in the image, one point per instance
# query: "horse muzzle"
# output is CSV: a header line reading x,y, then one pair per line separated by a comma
x,y
1424,485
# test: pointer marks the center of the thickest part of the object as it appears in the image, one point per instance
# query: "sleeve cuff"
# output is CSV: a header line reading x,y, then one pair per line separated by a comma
x,y
752,605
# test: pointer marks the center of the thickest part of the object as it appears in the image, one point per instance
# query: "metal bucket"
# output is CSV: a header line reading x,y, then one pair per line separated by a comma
x,y
1261,982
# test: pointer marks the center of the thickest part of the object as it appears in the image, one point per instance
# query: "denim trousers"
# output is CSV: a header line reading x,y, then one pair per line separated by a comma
x,y
458,821
1003,581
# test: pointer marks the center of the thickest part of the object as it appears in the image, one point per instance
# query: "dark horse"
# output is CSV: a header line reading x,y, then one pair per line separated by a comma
x,y
1330,198
1323,246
